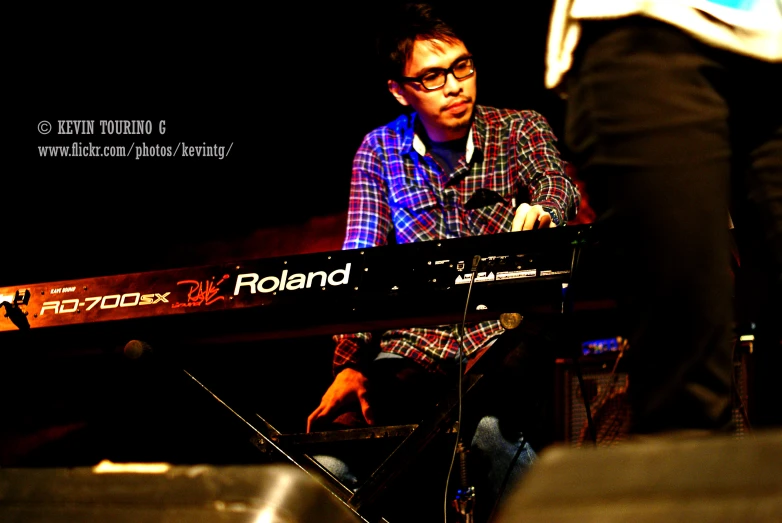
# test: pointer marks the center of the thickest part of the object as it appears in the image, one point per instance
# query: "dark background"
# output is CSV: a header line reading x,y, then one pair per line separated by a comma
x,y
292,87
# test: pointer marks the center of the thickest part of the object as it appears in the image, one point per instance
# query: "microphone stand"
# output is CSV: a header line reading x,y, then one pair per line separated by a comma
x,y
464,501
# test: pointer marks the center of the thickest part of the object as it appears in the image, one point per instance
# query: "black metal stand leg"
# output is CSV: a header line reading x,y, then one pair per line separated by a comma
x,y
261,438
567,311
587,405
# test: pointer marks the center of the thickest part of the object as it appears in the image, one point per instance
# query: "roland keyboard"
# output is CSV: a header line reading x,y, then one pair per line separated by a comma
x,y
416,284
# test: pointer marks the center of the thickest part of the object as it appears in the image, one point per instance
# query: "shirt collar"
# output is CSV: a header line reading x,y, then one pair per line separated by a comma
x,y
413,141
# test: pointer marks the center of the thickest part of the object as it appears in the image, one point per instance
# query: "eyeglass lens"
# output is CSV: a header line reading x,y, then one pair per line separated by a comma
x,y
436,79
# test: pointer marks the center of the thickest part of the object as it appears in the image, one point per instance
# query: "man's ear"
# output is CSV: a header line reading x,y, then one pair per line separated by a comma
x,y
396,90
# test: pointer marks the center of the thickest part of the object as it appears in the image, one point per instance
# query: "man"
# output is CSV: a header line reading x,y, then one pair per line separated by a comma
x,y
447,168
674,122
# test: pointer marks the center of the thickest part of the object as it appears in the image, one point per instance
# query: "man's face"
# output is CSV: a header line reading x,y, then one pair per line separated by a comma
x,y
446,112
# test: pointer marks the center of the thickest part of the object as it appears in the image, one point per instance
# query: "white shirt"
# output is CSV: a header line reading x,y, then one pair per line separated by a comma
x,y
749,27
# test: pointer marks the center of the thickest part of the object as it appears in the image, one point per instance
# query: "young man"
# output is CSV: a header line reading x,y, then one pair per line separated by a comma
x,y
447,168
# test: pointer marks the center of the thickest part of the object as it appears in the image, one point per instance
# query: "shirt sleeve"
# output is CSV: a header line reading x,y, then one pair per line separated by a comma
x,y
544,170
368,225
369,217
352,350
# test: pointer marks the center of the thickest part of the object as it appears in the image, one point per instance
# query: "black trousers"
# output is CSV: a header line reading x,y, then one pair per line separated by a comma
x,y
671,137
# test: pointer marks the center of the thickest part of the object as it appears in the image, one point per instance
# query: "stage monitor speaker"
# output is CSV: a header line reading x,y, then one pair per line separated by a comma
x,y
606,381
650,479
606,384
158,493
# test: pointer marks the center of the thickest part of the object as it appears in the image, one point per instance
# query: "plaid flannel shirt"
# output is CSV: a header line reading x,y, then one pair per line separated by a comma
x,y
399,193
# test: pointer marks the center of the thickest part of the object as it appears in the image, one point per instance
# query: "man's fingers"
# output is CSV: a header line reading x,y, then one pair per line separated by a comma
x,y
544,220
312,417
321,412
531,217
366,410
530,221
368,415
518,218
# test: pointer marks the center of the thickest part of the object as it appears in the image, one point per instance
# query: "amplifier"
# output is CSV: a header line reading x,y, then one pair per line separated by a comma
x,y
606,380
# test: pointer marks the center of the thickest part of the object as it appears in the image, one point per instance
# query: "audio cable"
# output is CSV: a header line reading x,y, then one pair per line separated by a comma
x,y
467,497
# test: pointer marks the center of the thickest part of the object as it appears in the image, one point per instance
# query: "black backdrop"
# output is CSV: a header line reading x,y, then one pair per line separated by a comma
x,y
289,87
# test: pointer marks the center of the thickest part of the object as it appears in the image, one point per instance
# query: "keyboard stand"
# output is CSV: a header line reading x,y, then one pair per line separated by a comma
x,y
364,500
413,438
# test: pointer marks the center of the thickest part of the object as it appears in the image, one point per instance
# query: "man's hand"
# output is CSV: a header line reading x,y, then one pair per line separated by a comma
x,y
348,387
531,217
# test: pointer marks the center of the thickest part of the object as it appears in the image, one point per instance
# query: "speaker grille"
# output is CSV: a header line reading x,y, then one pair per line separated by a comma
x,y
607,393
606,387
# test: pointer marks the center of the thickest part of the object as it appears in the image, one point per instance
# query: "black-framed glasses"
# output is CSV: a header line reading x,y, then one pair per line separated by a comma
x,y
435,78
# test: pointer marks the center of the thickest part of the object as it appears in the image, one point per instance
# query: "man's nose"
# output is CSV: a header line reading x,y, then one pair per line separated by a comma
x,y
452,85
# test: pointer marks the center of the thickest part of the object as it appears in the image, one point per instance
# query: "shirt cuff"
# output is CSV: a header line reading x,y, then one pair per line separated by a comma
x,y
556,216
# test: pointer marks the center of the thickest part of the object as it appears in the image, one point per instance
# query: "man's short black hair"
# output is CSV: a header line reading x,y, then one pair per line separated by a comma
x,y
402,27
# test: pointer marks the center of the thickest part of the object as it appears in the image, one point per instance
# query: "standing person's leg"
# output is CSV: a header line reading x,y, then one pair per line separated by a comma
x,y
648,129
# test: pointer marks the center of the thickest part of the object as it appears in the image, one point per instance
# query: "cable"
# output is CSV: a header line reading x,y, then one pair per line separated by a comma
x,y
567,310
612,428
474,270
505,479
736,382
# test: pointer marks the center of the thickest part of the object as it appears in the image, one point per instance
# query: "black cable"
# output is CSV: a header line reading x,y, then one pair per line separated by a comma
x,y
505,480
567,310
587,403
473,270
598,403
567,307
739,401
